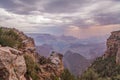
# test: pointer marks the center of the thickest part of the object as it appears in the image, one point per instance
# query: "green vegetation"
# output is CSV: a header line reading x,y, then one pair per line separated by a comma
x,y
89,75
32,67
103,69
66,75
9,38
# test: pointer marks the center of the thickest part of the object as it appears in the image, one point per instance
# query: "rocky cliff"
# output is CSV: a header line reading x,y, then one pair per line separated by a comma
x,y
113,46
106,67
19,61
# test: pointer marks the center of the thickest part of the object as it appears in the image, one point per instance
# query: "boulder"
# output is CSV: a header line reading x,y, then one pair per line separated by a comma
x,y
12,64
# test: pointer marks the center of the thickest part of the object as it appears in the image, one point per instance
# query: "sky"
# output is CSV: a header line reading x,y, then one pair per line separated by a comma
x,y
78,18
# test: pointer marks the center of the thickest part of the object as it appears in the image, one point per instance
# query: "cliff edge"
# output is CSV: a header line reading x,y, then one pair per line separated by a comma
x,y
113,46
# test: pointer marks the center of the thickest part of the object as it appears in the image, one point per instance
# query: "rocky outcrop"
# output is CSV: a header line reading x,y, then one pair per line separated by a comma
x,y
27,42
12,64
56,59
52,67
23,63
113,46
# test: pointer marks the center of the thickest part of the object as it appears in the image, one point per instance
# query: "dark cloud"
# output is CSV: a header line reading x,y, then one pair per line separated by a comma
x,y
19,6
64,6
116,0
106,19
30,2
53,6
7,4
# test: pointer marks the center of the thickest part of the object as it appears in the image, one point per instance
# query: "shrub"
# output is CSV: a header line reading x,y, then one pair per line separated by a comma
x,y
90,75
66,75
32,67
9,38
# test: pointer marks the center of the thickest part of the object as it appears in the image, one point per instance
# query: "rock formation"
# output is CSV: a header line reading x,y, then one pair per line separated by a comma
x,y
113,46
56,59
51,67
